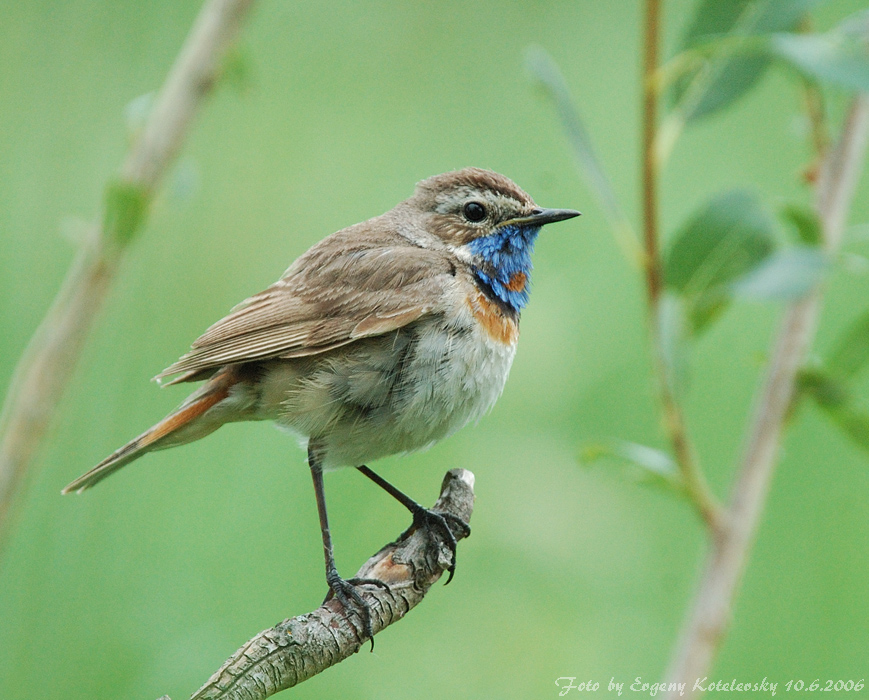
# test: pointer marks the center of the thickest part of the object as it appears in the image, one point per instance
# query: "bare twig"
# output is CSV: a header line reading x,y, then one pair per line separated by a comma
x,y
674,420
707,624
301,647
46,365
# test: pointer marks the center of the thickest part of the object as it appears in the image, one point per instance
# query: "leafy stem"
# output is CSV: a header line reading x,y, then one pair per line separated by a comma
x,y
674,420
708,620
46,365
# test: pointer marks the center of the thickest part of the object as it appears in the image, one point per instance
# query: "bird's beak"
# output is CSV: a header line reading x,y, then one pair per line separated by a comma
x,y
539,217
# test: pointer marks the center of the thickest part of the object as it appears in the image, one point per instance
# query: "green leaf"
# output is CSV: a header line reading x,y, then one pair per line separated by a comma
x,y
237,69
726,239
184,179
729,77
718,17
545,71
826,390
673,335
834,57
77,230
126,206
643,463
851,352
856,25
835,398
705,309
855,424
803,220
786,275
137,111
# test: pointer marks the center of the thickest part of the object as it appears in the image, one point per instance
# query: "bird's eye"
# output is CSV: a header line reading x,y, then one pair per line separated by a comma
x,y
474,212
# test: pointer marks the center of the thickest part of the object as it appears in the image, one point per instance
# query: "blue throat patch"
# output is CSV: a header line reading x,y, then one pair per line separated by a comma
x,y
506,263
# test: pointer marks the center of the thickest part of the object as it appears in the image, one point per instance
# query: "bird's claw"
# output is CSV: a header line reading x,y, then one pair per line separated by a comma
x,y
345,591
429,520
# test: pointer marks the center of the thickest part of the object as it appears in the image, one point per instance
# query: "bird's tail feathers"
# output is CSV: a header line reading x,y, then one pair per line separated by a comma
x,y
165,433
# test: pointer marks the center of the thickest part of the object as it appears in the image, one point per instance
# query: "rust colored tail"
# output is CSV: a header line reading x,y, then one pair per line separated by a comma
x,y
161,434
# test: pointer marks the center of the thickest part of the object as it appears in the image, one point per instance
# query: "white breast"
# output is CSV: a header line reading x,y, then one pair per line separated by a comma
x,y
456,375
394,393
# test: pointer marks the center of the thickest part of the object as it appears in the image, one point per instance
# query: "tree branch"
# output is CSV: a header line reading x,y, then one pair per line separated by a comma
x,y
707,625
674,420
303,646
46,365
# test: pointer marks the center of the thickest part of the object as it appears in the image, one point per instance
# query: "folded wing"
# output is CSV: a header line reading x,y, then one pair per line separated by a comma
x,y
335,294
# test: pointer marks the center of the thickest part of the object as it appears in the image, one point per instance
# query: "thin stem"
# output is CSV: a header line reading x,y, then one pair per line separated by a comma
x,y
820,137
674,421
650,168
817,118
813,98
47,364
707,624
698,490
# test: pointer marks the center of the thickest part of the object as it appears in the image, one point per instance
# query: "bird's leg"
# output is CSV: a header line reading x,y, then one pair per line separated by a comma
x,y
343,589
423,518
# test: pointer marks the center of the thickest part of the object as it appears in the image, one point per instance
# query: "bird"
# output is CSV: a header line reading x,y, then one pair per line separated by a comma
x,y
383,338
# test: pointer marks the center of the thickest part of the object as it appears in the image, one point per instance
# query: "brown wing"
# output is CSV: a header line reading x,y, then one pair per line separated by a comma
x,y
339,291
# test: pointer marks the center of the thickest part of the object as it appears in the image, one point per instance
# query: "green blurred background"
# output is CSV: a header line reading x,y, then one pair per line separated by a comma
x,y
145,585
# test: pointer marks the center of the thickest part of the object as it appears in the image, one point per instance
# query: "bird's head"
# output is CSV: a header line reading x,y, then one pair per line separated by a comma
x,y
488,222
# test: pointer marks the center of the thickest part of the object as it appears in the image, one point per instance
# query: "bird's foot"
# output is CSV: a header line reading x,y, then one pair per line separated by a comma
x,y
345,591
431,521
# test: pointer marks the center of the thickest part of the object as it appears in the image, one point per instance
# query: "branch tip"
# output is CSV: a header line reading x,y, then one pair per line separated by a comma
x,y
303,646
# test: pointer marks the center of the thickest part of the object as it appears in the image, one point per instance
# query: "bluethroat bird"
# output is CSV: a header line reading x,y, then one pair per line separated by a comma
x,y
383,338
